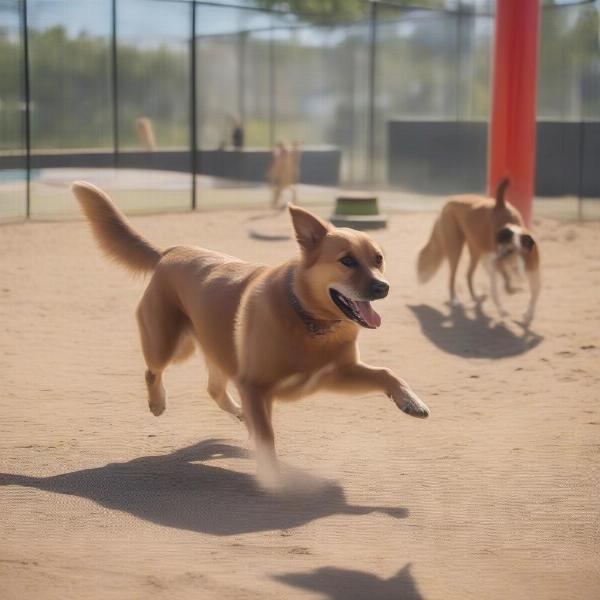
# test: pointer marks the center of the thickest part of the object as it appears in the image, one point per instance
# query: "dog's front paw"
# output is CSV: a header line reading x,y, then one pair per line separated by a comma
x,y
408,402
527,318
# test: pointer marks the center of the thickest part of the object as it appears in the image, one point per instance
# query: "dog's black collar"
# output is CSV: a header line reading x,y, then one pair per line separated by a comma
x,y
314,326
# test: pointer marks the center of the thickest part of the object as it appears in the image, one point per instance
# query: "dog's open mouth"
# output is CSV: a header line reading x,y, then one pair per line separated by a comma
x,y
360,311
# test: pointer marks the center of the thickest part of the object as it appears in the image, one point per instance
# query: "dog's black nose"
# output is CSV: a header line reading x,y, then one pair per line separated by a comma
x,y
379,289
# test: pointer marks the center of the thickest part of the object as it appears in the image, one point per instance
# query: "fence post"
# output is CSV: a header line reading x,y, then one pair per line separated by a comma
x,y
27,93
371,93
272,110
115,85
242,75
193,107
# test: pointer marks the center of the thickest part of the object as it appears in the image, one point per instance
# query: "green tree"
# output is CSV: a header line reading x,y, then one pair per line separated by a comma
x,y
336,10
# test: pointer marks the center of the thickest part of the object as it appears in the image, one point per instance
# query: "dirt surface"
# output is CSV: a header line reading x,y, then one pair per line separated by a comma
x,y
495,496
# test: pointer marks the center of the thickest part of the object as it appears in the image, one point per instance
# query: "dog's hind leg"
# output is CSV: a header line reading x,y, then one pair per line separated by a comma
x,y
453,252
186,347
217,389
472,266
277,191
156,392
161,327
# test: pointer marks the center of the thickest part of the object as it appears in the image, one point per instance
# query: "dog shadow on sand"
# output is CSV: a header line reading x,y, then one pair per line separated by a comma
x,y
472,337
179,490
346,584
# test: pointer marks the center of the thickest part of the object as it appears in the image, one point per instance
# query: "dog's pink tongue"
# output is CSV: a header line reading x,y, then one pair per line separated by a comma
x,y
370,317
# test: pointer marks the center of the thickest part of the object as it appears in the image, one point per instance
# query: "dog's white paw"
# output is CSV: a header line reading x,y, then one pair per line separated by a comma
x,y
408,402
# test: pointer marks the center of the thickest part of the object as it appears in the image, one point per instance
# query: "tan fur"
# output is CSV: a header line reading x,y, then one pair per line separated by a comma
x,y
475,221
242,318
112,231
431,256
284,171
146,133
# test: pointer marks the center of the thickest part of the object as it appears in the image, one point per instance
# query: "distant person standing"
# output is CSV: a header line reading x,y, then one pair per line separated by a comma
x,y
237,133
237,136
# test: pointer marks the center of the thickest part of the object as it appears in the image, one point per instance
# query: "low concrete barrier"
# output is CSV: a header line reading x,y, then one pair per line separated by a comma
x,y
447,157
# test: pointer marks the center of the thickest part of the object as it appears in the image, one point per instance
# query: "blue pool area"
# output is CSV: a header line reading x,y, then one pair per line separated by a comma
x,y
7,175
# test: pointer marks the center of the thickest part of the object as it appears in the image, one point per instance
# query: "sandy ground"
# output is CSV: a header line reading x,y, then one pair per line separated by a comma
x,y
496,496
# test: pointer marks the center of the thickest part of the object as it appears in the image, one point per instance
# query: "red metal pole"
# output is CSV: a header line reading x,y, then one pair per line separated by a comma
x,y
511,150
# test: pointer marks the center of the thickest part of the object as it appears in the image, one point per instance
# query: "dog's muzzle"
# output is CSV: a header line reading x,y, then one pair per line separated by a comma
x,y
505,252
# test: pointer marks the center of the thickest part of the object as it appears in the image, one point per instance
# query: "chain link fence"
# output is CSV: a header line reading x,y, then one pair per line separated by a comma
x,y
144,98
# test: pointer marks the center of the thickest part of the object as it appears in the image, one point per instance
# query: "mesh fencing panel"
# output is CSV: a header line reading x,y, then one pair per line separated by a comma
x,y
69,56
12,126
153,73
401,95
70,101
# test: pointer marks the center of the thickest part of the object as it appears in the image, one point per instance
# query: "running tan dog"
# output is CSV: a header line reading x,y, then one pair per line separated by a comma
x,y
493,231
276,332
284,172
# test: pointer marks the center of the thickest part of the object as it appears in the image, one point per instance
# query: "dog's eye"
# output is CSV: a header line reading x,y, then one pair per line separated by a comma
x,y
378,260
349,261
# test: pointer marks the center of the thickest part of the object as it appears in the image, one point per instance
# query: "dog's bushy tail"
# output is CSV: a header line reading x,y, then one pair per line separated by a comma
x,y
112,231
431,256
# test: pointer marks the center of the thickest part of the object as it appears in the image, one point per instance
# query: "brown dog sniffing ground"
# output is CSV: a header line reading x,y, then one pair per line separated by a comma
x,y
279,332
495,233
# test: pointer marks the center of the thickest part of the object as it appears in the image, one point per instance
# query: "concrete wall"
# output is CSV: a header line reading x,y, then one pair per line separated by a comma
x,y
318,166
451,156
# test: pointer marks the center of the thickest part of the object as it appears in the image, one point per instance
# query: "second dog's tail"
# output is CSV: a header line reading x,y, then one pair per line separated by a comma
x,y
500,190
112,231
431,256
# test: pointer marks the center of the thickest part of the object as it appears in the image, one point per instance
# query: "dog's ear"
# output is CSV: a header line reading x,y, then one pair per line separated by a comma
x,y
527,242
309,228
